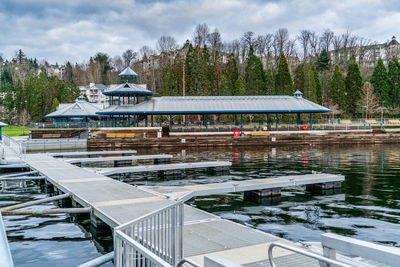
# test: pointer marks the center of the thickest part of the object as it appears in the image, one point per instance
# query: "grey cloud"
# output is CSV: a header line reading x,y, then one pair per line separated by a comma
x,y
75,30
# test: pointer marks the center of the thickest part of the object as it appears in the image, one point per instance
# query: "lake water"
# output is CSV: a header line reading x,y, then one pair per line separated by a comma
x,y
367,207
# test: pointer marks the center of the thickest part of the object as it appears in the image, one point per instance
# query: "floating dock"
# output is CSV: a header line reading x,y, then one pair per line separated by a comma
x,y
116,203
261,187
120,159
167,169
92,154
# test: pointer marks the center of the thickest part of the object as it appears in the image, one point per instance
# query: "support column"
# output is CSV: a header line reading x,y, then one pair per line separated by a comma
x,y
276,121
151,118
298,118
159,121
170,123
241,125
145,121
206,118
310,121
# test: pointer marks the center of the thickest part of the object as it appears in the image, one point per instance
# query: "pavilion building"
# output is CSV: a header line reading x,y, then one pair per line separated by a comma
x,y
129,103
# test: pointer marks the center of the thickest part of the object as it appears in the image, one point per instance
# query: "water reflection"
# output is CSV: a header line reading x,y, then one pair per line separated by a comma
x,y
367,206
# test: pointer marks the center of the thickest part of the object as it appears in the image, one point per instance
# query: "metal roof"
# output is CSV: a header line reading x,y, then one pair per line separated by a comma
x,y
80,108
128,88
2,124
128,72
219,105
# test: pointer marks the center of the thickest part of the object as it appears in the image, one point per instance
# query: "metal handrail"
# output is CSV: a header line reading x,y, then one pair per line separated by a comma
x,y
305,253
136,252
191,262
160,232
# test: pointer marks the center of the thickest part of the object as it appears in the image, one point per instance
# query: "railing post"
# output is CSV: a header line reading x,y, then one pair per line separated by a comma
x,y
329,253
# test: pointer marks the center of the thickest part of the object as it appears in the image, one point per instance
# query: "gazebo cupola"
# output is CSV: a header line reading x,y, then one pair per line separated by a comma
x,y
128,76
128,92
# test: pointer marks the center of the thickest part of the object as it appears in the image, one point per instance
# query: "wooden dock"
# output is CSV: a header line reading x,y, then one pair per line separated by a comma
x,y
116,203
167,168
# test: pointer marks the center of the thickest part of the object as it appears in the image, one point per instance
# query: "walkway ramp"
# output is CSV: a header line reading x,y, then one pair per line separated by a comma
x,y
188,191
217,165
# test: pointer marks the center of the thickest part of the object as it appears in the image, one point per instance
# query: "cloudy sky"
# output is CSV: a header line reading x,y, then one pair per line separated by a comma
x,y
75,30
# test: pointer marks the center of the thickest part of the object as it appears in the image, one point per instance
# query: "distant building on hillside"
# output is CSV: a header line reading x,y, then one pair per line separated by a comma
x,y
100,93
56,70
367,55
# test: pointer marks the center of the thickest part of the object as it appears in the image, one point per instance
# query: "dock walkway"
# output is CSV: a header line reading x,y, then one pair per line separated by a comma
x,y
116,203
188,191
119,158
89,154
165,168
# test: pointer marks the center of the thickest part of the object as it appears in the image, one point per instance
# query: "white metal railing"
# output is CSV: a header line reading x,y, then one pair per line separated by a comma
x,y
305,253
382,254
155,239
12,143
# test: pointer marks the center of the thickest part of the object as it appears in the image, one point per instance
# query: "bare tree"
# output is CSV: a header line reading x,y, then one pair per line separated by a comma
x,y
304,39
314,43
117,63
214,40
337,46
129,56
166,43
146,51
363,49
200,34
260,45
327,39
281,39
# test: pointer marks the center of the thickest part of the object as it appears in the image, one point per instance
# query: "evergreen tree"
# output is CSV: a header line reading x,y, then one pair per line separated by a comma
x,y
5,78
169,86
323,60
54,105
241,86
254,75
353,84
269,82
338,88
394,77
8,102
20,96
316,90
231,75
380,81
309,83
283,80
299,78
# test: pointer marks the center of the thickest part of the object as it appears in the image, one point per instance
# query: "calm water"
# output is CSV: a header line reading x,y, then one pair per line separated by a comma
x,y
367,207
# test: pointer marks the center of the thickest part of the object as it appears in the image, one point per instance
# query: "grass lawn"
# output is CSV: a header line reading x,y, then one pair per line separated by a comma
x,y
15,131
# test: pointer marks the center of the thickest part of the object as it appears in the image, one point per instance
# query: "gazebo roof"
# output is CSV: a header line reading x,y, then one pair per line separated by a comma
x,y
80,108
128,88
127,72
219,105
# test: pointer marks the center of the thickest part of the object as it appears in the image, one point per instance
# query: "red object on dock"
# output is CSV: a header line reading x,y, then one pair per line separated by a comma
x,y
305,127
236,133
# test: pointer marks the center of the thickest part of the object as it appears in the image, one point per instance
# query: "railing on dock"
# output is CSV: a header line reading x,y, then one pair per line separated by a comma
x,y
12,143
152,240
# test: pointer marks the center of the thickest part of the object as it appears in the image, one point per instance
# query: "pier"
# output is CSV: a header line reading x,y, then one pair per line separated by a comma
x,y
116,203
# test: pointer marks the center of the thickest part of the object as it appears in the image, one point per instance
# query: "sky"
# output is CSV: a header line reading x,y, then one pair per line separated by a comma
x,y
71,30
